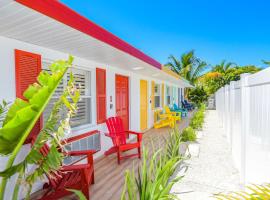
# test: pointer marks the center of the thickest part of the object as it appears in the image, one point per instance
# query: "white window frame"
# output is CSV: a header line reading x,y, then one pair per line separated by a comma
x,y
91,96
168,94
157,95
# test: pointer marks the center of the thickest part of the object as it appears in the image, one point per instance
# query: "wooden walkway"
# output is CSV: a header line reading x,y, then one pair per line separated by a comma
x,y
109,176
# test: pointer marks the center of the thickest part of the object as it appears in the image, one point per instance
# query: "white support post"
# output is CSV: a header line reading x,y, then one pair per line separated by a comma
x,y
244,124
223,108
231,110
227,106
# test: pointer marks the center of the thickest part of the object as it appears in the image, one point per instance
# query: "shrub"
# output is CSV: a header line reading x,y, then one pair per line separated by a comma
x,y
188,134
152,180
198,95
202,107
173,144
197,120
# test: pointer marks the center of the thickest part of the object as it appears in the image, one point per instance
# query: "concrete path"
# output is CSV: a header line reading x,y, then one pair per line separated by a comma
x,y
210,168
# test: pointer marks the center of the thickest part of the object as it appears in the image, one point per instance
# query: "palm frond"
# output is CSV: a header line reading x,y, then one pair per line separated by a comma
x,y
187,58
228,66
198,70
256,192
174,64
266,62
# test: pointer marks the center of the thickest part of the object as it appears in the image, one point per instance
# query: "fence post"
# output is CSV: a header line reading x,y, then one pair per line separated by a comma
x,y
244,124
227,106
231,111
223,108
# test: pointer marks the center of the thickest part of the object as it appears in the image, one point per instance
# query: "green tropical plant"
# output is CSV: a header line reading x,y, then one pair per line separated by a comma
x,y
254,192
21,118
211,82
266,62
152,181
188,66
198,95
188,134
3,111
79,194
223,67
233,74
223,74
173,143
174,64
197,120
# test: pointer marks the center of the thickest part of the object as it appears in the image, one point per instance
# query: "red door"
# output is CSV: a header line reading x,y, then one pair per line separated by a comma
x,y
122,99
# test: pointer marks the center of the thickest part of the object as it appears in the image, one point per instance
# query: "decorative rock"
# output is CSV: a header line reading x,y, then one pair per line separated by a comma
x,y
193,150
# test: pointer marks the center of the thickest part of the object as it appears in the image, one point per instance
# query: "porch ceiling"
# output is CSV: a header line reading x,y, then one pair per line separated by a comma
x,y
25,24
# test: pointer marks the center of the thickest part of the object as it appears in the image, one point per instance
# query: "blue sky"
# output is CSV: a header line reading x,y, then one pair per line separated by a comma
x,y
235,30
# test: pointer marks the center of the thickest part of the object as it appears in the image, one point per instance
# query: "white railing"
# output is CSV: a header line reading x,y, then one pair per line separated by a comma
x,y
244,111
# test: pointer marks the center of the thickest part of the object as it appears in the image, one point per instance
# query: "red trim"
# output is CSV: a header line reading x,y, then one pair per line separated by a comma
x,y
101,95
60,12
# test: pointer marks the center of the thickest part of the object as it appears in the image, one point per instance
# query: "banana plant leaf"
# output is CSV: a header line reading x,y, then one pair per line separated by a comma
x,y
23,114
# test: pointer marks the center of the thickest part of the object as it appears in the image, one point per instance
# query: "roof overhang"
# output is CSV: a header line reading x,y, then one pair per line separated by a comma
x,y
177,76
51,24
60,12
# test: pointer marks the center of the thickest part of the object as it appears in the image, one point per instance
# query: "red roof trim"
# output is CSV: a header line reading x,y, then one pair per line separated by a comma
x,y
65,15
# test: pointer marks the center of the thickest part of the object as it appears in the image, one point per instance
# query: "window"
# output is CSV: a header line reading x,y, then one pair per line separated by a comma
x,y
157,95
168,95
83,80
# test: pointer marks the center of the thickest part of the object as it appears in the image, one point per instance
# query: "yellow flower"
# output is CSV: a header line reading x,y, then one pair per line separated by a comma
x,y
213,74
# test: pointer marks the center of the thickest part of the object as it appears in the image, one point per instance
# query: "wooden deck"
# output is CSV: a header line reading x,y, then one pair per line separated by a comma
x,y
109,176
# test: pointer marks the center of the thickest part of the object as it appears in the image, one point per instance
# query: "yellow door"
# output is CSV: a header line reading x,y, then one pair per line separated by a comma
x,y
143,106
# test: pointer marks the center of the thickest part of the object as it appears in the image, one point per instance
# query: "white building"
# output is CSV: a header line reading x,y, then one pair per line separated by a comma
x,y
118,79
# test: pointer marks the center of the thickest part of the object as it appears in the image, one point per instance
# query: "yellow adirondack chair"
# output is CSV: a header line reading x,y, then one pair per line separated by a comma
x,y
176,115
163,120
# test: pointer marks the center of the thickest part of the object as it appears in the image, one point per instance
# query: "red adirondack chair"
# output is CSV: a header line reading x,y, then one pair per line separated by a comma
x,y
75,176
119,136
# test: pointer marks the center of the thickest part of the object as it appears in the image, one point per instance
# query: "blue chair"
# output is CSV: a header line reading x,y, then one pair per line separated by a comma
x,y
190,104
187,106
184,112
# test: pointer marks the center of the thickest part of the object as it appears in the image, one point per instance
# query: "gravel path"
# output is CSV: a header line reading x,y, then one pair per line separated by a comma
x,y
210,167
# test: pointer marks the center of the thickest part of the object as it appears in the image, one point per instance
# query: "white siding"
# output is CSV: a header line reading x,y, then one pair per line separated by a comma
x,y
7,90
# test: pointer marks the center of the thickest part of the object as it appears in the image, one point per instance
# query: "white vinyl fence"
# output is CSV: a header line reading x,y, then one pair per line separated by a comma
x,y
244,111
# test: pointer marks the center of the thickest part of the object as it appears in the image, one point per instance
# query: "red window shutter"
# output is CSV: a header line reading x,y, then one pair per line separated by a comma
x,y
101,95
27,68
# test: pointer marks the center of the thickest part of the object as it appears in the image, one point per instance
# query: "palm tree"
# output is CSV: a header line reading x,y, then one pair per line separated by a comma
x,y
266,62
223,67
188,66
174,64
196,72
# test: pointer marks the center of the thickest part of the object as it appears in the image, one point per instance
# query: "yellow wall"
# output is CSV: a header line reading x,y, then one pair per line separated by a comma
x,y
153,95
143,105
